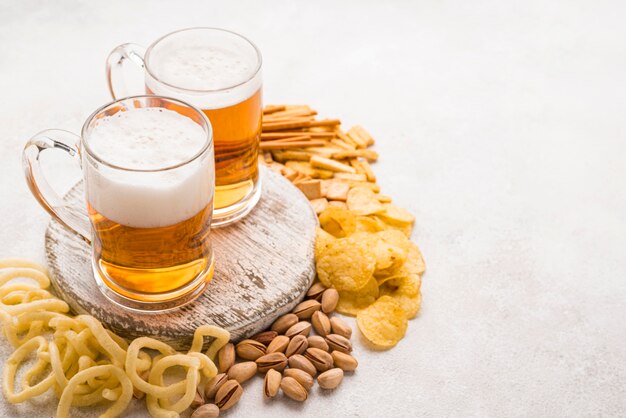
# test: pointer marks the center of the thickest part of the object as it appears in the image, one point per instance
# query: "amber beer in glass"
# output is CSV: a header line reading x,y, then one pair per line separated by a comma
x,y
148,175
219,72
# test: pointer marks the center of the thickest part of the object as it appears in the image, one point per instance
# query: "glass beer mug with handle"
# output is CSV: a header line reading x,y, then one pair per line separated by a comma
x,y
219,72
147,165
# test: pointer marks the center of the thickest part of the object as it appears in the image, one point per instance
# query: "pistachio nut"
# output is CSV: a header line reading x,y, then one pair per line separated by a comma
x,y
242,372
297,345
301,328
298,361
330,379
228,395
283,323
316,341
339,343
330,297
293,389
305,379
250,349
344,361
213,385
276,361
278,345
319,358
321,323
271,383
225,357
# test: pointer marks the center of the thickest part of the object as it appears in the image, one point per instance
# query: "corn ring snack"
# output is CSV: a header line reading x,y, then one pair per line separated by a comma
x,y
114,410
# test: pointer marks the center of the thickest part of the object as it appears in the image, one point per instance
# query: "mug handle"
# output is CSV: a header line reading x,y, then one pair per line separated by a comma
x,y
115,65
39,186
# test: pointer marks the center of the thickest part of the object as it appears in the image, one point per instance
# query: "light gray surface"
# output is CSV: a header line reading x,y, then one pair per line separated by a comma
x,y
501,126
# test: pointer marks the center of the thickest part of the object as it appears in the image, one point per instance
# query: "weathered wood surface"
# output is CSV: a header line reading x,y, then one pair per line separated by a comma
x,y
264,265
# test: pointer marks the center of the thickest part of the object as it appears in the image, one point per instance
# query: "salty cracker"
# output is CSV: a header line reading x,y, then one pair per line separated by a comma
x,y
346,264
363,201
337,221
383,323
351,303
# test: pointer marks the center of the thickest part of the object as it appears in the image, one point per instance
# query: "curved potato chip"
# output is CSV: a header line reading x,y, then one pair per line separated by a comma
x,y
406,291
337,221
414,262
383,323
322,241
406,229
391,250
363,201
395,215
410,304
346,264
367,224
351,303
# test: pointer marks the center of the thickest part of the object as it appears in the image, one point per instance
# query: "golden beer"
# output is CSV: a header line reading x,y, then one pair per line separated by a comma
x,y
140,263
219,72
237,131
149,180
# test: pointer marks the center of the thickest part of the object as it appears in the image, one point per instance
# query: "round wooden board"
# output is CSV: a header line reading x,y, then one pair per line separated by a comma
x,y
264,265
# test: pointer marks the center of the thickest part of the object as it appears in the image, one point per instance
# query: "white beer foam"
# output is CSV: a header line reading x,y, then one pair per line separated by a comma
x,y
190,70
148,139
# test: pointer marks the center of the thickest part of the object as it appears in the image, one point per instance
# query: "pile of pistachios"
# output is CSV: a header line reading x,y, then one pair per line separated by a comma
x,y
289,355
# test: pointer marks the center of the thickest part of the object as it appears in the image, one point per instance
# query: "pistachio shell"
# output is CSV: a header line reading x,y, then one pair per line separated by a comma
x,y
293,389
330,379
271,383
330,297
301,328
297,345
283,323
305,379
321,323
228,395
242,372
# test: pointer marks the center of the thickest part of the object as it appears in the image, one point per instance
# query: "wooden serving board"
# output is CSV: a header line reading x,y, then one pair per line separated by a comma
x,y
264,265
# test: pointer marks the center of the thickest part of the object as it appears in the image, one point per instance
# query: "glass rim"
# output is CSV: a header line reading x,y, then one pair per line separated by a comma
x,y
255,72
208,128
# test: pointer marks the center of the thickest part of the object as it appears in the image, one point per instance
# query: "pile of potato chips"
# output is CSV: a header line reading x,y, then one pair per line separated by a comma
x,y
363,248
365,253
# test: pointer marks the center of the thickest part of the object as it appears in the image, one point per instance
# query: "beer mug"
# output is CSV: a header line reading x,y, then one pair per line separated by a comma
x,y
219,72
148,172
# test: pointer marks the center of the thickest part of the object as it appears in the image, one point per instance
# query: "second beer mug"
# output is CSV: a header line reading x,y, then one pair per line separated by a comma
x,y
219,72
147,165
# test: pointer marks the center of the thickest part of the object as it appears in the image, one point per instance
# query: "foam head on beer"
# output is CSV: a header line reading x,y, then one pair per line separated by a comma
x,y
223,63
149,139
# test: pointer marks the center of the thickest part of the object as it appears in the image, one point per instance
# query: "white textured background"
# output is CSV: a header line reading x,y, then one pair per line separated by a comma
x,y
501,126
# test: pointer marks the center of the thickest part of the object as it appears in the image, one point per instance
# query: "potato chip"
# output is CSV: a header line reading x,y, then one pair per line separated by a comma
x,y
410,304
367,224
337,221
346,264
414,262
322,241
395,215
391,249
383,323
406,229
406,291
351,303
363,201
